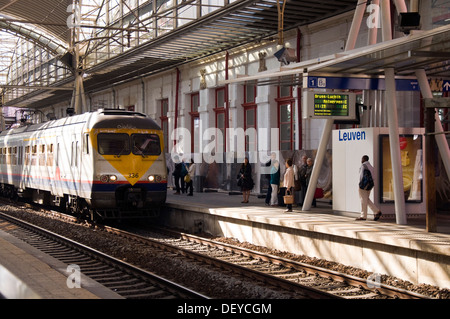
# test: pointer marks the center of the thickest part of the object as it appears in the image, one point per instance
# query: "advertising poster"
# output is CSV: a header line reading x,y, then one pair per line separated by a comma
x,y
411,157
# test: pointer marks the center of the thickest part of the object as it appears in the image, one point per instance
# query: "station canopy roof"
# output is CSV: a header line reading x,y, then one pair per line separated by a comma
x,y
234,24
428,50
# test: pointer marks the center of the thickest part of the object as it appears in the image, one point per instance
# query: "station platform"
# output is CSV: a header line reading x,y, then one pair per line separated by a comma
x,y
27,273
407,252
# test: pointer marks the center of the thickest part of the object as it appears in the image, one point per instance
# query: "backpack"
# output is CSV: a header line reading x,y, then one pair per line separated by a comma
x,y
184,170
367,180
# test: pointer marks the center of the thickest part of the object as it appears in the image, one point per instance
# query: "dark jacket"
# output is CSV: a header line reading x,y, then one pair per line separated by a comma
x,y
245,175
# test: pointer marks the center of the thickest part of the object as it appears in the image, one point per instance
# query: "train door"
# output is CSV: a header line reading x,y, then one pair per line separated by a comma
x,y
75,164
58,175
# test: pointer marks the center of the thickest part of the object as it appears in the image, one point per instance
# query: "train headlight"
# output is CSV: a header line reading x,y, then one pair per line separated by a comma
x,y
108,178
154,178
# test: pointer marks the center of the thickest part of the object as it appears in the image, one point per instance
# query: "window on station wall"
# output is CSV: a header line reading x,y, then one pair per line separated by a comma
x,y
250,115
286,116
220,119
195,123
164,105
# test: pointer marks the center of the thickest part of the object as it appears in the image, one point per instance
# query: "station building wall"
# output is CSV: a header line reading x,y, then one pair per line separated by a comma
x,y
200,89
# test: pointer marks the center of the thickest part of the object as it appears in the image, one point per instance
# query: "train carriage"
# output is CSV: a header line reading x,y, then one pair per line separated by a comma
x,y
107,164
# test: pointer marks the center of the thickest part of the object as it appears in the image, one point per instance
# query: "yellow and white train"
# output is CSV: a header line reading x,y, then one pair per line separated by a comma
x,y
104,164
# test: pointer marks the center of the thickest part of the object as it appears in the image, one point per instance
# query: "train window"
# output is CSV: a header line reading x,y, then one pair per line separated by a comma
x,y
20,156
14,159
50,155
27,155
145,144
74,158
41,155
113,144
86,144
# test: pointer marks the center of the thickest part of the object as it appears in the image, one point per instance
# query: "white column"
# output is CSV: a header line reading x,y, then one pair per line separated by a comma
x,y
441,140
356,24
394,142
318,164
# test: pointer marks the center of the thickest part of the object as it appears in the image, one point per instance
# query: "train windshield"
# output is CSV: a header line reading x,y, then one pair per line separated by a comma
x,y
145,144
113,144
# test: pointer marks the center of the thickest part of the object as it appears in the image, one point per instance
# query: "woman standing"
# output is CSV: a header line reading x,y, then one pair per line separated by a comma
x,y
289,181
274,183
245,179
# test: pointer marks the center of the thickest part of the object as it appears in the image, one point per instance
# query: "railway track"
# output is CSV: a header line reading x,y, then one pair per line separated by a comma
x,y
125,279
278,271
301,280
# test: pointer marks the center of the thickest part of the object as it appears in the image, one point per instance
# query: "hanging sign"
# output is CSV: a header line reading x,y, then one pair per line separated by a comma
x,y
337,105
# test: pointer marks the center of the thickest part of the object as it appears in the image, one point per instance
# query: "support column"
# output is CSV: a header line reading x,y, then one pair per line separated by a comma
x,y
373,29
441,140
386,29
318,164
394,142
356,25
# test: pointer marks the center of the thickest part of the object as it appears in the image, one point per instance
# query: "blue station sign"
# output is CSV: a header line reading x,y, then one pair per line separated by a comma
x,y
354,83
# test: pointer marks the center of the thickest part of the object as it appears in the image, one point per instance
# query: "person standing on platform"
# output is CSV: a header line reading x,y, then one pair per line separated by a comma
x,y
365,187
273,158
302,178
184,171
274,182
245,180
191,174
177,174
309,170
289,181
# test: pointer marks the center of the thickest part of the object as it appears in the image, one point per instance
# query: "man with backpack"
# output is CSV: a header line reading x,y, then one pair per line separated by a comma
x,y
366,184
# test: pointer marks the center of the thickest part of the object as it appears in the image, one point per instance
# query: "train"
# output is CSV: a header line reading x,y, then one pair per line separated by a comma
x,y
106,164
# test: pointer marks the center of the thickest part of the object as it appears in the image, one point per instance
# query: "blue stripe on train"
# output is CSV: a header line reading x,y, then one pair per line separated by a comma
x,y
153,187
42,183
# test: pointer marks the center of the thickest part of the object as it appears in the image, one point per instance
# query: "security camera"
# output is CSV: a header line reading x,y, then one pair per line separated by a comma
x,y
286,55
408,21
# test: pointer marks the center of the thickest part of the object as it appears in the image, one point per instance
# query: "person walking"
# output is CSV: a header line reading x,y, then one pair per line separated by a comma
x,y
289,181
191,174
274,183
365,187
245,180
309,170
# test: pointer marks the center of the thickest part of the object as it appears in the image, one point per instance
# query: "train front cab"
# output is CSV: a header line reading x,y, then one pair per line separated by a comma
x,y
130,174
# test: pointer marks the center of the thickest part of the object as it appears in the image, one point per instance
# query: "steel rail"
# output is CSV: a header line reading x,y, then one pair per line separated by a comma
x,y
309,292
366,284
170,286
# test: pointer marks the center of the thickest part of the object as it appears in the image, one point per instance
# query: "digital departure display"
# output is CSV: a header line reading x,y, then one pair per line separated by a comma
x,y
331,104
